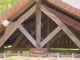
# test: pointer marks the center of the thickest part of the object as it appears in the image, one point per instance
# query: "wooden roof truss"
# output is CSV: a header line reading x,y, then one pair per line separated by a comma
x,y
56,33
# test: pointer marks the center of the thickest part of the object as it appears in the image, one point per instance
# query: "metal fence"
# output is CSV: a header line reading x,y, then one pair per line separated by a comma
x,y
56,55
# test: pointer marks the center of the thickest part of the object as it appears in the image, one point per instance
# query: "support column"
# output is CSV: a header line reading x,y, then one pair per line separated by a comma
x,y
38,23
48,32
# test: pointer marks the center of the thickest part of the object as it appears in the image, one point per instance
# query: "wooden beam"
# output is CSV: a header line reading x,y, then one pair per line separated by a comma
x,y
71,35
11,28
50,15
38,23
61,33
50,36
65,19
65,51
64,46
8,32
17,41
22,8
28,36
19,38
24,40
48,31
2,28
64,9
62,25
12,17
74,32
16,49
26,15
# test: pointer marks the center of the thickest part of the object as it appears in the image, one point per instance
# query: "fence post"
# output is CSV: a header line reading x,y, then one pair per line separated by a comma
x,y
4,55
72,56
58,56
18,53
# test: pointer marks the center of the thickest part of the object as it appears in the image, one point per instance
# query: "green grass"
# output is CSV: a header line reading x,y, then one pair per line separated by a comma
x,y
64,48
14,58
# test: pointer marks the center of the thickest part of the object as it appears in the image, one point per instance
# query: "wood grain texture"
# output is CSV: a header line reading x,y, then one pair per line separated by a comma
x,y
62,25
50,36
8,32
27,35
65,19
38,23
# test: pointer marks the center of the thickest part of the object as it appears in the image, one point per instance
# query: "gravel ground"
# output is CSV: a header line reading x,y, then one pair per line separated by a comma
x,y
40,58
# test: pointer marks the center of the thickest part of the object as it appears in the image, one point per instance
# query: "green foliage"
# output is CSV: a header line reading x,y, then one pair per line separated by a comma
x,y
6,5
25,52
13,58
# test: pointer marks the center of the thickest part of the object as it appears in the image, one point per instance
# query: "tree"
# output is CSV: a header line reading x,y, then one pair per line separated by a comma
x,y
6,5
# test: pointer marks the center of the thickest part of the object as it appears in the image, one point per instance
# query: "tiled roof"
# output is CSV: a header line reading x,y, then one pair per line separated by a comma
x,y
74,11
14,10
66,6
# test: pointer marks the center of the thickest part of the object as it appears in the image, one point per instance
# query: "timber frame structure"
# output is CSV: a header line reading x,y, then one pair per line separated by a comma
x,y
41,23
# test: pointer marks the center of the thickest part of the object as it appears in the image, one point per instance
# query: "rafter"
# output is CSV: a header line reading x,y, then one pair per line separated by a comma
x,y
61,33
50,36
8,32
11,28
71,35
62,25
19,38
74,32
65,19
28,36
26,15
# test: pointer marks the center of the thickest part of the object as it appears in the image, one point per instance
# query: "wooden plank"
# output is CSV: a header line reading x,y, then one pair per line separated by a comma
x,y
62,25
22,8
38,23
28,36
15,14
26,15
64,9
61,33
24,40
2,28
19,38
49,14
65,19
10,29
64,46
50,36
16,49
8,32
65,51
48,31
71,35
74,32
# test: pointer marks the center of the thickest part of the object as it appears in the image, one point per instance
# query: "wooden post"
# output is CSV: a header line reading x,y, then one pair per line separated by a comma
x,y
18,53
57,56
72,56
38,23
48,32
4,55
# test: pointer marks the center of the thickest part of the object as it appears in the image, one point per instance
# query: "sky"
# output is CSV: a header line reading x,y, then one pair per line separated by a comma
x,y
74,3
